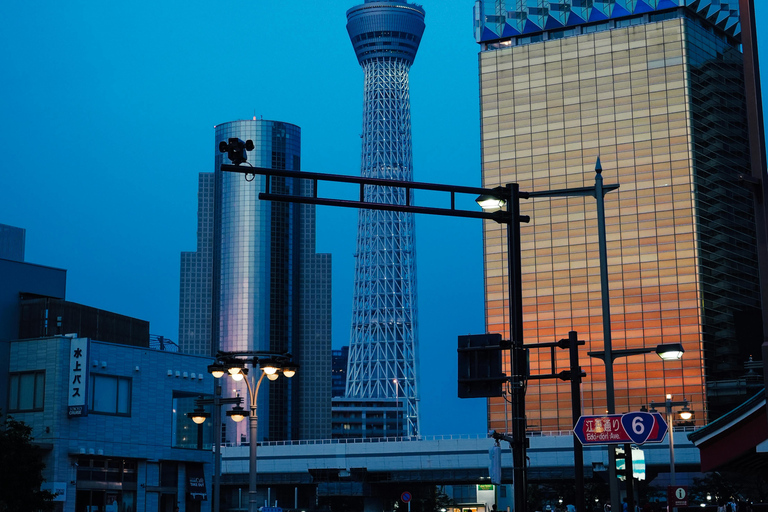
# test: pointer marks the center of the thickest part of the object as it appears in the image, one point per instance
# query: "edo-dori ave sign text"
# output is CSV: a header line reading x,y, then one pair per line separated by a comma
x,y
633,427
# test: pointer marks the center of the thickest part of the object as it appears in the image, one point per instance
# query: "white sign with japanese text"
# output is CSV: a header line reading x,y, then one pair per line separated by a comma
x,y
78,377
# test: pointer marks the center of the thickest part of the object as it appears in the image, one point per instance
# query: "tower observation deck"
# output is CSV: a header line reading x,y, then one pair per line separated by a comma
x,y
383,348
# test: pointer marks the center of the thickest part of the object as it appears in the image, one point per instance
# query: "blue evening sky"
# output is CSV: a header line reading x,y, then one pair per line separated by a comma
x,y
107,114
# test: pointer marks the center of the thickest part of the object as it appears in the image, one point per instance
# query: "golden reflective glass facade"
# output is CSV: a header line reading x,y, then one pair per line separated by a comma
x,y
662,105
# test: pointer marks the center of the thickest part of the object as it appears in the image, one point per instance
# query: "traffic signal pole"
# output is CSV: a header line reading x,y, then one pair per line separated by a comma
x,y
517,352
578,449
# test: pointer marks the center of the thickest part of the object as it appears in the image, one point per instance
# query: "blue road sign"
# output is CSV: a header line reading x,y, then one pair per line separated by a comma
x,y
638,425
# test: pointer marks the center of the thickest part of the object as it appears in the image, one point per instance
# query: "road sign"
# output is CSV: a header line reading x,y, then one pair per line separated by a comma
x,y
406,497
677,495
604,429
638,425
659,430
634,427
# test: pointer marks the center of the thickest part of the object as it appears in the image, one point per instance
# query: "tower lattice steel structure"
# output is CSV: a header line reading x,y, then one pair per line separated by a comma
x,y
383,351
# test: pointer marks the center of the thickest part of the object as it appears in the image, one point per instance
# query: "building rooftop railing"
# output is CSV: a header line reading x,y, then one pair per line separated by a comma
x,y
158,342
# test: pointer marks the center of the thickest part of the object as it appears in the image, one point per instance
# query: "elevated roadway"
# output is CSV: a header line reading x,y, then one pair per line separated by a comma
x,y
450,460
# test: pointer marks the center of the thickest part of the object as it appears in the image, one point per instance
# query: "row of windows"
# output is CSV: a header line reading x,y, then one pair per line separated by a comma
x,y
109,394
385,33
636,76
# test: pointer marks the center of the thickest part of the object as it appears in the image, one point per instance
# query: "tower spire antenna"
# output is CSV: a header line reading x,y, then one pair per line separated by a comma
x,y
383,345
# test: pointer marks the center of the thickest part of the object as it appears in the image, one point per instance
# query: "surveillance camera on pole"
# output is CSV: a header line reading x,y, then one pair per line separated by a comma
x,y
236,149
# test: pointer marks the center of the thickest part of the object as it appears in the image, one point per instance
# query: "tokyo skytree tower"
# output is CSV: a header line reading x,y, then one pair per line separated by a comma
x,y
383,348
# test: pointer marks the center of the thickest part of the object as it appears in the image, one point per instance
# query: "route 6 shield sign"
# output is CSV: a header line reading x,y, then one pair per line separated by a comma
x,y
638,425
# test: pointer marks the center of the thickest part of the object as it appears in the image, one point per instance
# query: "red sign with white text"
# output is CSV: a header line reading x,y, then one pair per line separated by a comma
x,y
633,427
606,429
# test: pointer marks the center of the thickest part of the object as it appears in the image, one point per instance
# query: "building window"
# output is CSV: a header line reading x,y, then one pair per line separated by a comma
x,y
106,470
110,395
465,493
184,432
169,474
26,391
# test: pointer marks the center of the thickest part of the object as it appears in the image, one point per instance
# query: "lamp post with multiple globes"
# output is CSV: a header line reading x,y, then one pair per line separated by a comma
x,y
235,364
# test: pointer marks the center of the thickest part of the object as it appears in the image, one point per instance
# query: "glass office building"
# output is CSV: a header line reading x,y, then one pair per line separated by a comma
x,y
257,284
655,90
196,278
255,242
272,292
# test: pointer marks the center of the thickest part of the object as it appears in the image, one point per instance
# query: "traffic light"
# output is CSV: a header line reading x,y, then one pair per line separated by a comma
x,y
480,372
235,149
629,461
621,462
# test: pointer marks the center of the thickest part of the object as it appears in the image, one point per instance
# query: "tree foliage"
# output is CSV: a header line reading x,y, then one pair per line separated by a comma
x,y
724,486
21,470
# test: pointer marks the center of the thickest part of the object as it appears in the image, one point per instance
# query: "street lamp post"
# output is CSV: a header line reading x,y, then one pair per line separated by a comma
x,y
270,364
667,352
397,409
253,426
685,414
199,415
574,374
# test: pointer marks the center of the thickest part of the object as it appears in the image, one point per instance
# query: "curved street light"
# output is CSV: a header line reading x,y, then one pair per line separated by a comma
x,y
237,413
199,415
235,364
670,351
666,351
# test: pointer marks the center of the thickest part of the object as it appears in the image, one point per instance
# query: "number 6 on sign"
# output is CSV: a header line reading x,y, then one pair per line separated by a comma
x,y
638,426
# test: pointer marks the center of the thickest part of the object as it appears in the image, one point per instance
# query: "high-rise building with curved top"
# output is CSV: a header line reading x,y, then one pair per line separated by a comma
x,y
383,352
271,289
256,283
